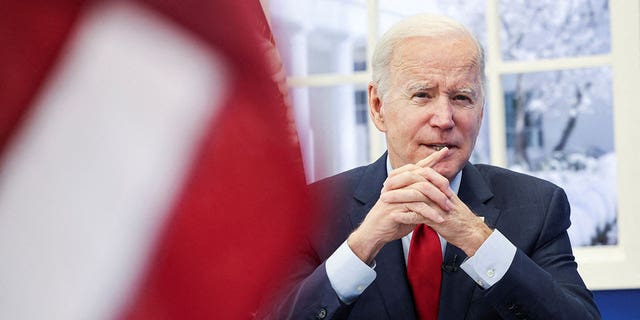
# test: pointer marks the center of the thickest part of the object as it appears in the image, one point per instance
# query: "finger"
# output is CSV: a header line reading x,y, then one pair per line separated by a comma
x,y
437,179
407,217
427,212
418,192
417,174
403,195
458,206
433,194
433,158
405,168
404,179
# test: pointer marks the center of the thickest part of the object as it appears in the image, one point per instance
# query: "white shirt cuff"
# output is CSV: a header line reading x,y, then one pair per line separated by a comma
x,y
348,275
491,261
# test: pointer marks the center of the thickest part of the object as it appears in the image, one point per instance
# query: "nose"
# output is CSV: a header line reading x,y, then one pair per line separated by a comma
x,y
442,113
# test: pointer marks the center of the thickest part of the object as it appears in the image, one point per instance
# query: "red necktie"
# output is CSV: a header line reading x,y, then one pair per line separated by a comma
x,y
423,270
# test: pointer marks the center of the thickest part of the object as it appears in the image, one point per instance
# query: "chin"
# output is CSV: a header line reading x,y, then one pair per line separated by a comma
x,y
446,169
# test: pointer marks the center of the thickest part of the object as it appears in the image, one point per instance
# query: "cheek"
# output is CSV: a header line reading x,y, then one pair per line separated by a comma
x,y
409,128
470,126
398,122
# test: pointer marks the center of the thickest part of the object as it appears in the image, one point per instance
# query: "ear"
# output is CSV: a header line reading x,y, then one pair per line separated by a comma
x,y
375,107
481,114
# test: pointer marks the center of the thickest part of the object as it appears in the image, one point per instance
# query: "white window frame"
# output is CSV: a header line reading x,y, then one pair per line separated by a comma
x,y
602,267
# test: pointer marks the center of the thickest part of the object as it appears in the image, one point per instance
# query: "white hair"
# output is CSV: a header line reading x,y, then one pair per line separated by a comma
x,y
422,25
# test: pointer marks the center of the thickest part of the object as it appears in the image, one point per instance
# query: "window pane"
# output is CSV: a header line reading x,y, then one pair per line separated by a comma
x,y
332,126
553,29
471,13
482,150
560,128
320,36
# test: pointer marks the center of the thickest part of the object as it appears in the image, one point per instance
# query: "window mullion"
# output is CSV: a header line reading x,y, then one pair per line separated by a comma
x,y
496,113
376,139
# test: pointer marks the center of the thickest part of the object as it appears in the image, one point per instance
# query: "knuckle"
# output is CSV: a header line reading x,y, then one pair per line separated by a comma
x,y
424,187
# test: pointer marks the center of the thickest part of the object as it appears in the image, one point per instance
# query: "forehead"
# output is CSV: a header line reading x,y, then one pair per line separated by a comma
x,y
454,57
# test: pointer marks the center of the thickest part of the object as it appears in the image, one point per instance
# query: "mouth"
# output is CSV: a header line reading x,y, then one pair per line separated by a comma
x,y
438,147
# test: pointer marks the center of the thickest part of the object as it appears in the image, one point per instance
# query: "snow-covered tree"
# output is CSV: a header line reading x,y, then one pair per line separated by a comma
x,y
583,163
546,30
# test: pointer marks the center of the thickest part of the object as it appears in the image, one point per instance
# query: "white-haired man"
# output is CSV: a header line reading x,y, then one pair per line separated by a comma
x,y
421,233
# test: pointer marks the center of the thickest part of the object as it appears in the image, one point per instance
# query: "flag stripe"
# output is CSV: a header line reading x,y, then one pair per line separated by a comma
x,y
94,172
30,39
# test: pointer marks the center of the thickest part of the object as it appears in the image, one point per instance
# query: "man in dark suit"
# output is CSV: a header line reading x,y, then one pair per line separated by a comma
x,y
421,233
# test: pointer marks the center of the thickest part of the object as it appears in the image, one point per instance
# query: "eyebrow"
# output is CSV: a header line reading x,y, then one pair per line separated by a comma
x,y
418,86
466,90
426,85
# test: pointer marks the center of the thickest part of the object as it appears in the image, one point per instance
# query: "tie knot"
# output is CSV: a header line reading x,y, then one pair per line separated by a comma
x,y
423,231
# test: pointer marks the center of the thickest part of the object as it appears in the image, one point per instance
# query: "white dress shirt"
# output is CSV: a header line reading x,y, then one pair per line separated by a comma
x,y
349,276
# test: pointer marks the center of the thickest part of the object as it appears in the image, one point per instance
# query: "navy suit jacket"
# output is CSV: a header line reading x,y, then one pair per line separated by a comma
x,y
541,283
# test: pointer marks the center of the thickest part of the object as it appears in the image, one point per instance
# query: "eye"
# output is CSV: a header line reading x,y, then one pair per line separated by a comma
x,y
421,95
461,97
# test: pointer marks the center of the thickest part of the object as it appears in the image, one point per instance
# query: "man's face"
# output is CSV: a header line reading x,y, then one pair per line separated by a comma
x,y
434,99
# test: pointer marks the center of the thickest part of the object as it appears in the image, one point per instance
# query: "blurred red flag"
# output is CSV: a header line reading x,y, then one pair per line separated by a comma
x,y
163,178
244,198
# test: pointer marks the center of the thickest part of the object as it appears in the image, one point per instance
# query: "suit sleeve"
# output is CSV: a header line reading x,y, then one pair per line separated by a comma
x,y
308,294
545,284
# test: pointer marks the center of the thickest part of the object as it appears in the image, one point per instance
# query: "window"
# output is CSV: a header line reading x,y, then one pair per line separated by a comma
x,y
559,122
560,104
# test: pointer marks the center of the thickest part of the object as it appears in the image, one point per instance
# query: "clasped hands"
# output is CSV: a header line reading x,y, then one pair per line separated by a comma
x,y
414,194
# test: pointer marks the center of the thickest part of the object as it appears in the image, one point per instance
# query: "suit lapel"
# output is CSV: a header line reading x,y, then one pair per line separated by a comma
x,y
368,189
457,287
391,280
476,194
